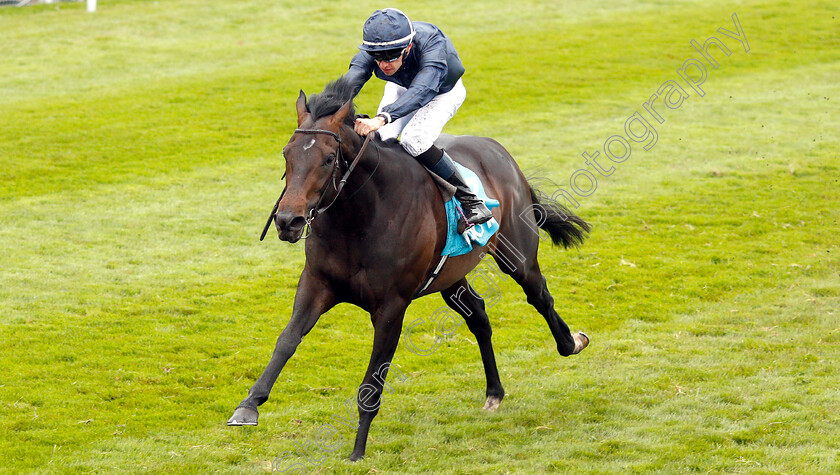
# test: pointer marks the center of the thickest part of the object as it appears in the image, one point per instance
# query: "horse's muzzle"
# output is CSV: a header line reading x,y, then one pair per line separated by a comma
x,y
289,226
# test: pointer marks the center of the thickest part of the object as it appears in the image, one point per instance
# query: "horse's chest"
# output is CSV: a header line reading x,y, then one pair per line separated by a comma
x,y
362,273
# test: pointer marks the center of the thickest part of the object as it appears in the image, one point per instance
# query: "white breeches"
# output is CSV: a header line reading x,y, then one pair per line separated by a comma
x,y
419,130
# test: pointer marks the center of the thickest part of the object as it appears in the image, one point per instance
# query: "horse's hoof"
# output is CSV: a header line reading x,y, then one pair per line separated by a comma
x,y
492,403
243,416
354,457
581,342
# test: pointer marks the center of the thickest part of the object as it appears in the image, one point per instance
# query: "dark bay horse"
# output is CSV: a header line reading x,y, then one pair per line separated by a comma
x,y
375,239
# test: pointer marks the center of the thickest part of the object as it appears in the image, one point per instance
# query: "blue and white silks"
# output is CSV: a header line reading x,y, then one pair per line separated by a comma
x,y
458,244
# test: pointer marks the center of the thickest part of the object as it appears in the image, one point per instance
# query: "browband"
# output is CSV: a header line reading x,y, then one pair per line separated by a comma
x,y
319,131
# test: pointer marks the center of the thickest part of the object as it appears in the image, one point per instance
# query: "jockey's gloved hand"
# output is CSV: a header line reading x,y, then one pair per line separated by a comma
x,y
366,126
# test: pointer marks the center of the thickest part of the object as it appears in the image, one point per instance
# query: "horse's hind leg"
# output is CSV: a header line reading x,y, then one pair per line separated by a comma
x,y
536,289
529,277
462,298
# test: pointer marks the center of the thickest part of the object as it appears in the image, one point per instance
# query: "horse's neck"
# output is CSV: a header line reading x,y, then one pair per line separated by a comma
x,y
381,216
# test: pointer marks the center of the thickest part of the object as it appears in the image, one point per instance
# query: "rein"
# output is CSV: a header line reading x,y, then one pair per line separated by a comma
x,y
314,212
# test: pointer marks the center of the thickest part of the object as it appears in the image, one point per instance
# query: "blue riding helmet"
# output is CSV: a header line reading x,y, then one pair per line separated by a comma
x,y
388,29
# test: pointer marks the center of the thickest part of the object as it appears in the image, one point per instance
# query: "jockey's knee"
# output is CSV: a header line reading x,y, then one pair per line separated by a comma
x,y
415,143
388,132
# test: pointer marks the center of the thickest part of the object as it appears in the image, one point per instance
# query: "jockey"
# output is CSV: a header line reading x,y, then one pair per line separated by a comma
x,y
423,90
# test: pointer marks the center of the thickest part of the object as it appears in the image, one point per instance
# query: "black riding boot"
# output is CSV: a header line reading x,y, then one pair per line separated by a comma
x,y
474,208
441,163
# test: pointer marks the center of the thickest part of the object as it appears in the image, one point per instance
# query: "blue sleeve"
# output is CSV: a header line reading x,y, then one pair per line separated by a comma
x,y
361,69
426,83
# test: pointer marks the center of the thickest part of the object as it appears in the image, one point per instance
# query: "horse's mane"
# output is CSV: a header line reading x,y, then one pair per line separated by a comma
x,y
334,96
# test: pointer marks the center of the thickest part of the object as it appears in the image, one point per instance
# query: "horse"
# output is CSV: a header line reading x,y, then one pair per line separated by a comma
x,y
375,236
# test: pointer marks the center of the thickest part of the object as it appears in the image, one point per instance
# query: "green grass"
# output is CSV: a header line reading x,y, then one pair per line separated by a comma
x,y
140,152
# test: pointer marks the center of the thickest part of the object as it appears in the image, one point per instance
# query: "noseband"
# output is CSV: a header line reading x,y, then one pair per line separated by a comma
x,y
315,211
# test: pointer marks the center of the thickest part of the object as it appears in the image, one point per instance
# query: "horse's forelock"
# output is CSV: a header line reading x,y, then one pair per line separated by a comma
x,y
334,96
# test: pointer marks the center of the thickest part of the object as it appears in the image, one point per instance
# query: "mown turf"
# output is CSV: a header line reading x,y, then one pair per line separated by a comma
x,y
140,153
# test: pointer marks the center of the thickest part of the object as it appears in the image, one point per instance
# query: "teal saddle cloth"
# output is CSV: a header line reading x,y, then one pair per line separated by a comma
x,y
458,244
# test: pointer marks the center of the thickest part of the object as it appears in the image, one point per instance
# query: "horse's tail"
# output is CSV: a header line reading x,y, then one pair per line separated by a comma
x,y
564,227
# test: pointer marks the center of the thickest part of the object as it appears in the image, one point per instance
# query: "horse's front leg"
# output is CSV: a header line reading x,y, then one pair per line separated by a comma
x,y
387,326
312,300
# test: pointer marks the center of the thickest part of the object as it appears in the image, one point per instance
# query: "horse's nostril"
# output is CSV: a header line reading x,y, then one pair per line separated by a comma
x,y
289,222
297,223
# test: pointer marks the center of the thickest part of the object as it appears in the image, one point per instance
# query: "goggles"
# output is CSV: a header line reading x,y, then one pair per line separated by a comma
x,y
388,55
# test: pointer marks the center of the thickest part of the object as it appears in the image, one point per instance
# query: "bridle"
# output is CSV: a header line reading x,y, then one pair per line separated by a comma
x,y
317,209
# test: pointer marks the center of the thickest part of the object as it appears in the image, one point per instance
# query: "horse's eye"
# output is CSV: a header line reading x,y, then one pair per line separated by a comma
x,y
330,159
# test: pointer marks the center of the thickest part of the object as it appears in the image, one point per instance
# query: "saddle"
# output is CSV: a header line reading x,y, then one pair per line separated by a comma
x,y
459,236
460,243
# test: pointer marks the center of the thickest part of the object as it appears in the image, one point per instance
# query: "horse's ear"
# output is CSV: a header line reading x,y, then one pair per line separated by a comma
x,y
337,118
302,113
